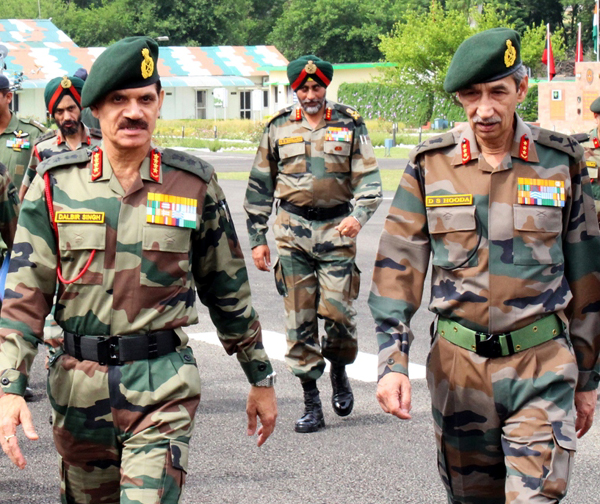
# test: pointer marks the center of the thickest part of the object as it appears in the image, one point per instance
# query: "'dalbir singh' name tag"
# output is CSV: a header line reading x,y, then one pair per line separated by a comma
x,y
449,200
79,217
290,140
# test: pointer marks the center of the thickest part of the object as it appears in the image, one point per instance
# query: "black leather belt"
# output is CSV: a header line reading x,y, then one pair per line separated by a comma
x,y
317,213
116,350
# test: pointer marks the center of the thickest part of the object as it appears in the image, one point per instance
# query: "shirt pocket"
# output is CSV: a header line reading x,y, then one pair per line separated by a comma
x,y
293,158
536,239
337,157
165,256
454,237
76,243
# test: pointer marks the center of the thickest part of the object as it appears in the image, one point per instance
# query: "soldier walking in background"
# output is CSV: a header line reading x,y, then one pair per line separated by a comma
x,y
131,233
506,213
591,143
63,102
314,157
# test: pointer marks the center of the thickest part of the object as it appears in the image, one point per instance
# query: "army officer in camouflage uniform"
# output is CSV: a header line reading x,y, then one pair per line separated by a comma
x,y
63,102
591,143
17,136
314,157
504,209
131,233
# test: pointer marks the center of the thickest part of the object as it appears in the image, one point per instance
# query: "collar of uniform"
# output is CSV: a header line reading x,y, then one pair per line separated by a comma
x,y
593,134
294,114
462,133
107,170
87,135
13,124
145,167
522,130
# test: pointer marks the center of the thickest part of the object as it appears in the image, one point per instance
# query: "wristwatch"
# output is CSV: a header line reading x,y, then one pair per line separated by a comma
x,y
267,381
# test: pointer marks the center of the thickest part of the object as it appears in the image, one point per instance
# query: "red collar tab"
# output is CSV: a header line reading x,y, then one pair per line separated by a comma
x,y
328,113
96,165
596,143
465,151
524,148
89,141
298,114
155,157
59,139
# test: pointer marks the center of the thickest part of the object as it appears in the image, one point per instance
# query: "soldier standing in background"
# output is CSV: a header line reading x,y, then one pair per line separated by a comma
x,y
17,136
315,157
63,102
506,213
131,233
591,143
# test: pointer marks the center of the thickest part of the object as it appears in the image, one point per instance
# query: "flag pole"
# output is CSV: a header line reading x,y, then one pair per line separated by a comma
x,y
548,47
597,16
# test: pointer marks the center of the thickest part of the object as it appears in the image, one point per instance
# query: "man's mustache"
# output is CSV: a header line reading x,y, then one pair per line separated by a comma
x,y
490,120
133,123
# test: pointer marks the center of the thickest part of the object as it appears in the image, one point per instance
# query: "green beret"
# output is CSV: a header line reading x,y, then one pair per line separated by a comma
x,y
129,63
485,57
62,86
595,106
309,67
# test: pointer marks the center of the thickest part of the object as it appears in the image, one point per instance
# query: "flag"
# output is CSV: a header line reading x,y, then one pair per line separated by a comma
x,y
578,49
548,56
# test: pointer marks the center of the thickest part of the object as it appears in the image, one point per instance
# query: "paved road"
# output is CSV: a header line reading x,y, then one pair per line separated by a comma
x,y
366,458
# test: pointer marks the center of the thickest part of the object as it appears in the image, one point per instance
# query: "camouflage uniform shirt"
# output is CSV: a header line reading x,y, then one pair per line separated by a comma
x,y
144,276
592,157
9,207
498,264
323,167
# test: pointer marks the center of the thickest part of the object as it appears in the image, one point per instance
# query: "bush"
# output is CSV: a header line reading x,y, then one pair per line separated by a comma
x,y
528,110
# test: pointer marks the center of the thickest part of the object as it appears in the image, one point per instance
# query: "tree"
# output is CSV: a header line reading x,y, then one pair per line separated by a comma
x,y
533,42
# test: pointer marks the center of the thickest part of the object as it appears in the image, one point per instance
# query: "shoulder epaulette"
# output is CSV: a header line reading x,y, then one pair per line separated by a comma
x,y
350,112
189,163
581,137
561,142
95,132
64,159
433,143
45,136
286,110
33,122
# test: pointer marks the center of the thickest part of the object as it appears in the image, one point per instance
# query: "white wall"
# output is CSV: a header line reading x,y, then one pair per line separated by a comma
x,y
32,104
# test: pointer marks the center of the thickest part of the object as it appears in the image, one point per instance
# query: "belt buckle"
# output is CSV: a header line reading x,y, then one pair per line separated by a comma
x,y
489,347
108,352
312,213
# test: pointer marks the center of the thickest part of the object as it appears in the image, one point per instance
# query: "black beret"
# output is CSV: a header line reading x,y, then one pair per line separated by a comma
x,y
61,86
4,82
595,106
129,63
485,57
309,67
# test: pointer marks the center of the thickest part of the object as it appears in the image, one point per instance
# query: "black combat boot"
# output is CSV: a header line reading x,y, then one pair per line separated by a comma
x,y
342,399
312,420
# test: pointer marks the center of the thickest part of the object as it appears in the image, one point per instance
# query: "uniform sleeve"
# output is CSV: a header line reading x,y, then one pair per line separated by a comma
x,y
399,274
9,207
222,283
366,180
30,287
32,168
581,246
259,194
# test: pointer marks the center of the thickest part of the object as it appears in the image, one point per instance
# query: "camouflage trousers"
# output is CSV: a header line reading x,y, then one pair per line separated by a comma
x,y
317,276
505,427
122,432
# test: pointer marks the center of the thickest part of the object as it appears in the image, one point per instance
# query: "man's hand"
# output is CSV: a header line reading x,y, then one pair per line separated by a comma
x,y
585,404
349,227
393,394
262,403
14,411
261,255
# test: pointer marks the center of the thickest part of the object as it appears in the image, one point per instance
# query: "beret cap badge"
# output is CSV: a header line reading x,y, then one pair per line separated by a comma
x,y
66,82
310,67
510,55
147,64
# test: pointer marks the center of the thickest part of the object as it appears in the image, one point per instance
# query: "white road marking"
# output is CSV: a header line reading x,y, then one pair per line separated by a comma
x,y
364,367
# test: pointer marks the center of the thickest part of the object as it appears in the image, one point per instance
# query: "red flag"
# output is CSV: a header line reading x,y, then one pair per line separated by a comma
x,y
579,49
548,56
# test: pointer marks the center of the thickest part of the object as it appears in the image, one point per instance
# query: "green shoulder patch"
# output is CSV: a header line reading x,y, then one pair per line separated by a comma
x,y
95,132
560,142
286,110
581,137
437,142
189,163
33,122
64,159
350,112
46,136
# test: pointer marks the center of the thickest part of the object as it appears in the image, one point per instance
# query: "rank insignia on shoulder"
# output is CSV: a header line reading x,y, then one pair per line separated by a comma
x,y
541,192
465,151
449,200
353,113
338,135
290,140
96,165
79,217
155,165
169,210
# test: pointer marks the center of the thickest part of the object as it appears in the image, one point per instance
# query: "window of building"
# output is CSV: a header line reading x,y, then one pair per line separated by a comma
x,y
266,99
201,104
14,104
245,105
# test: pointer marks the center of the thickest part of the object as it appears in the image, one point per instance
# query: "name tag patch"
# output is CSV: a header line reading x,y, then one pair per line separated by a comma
x,y
541,192
591,164
449,200
290,140
170,210
79,217
338,135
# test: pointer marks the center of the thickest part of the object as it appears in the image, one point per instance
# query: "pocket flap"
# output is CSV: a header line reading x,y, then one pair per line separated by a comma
x,y
451,219
179,455
540,219
82,236
166,238
291,150
337,148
